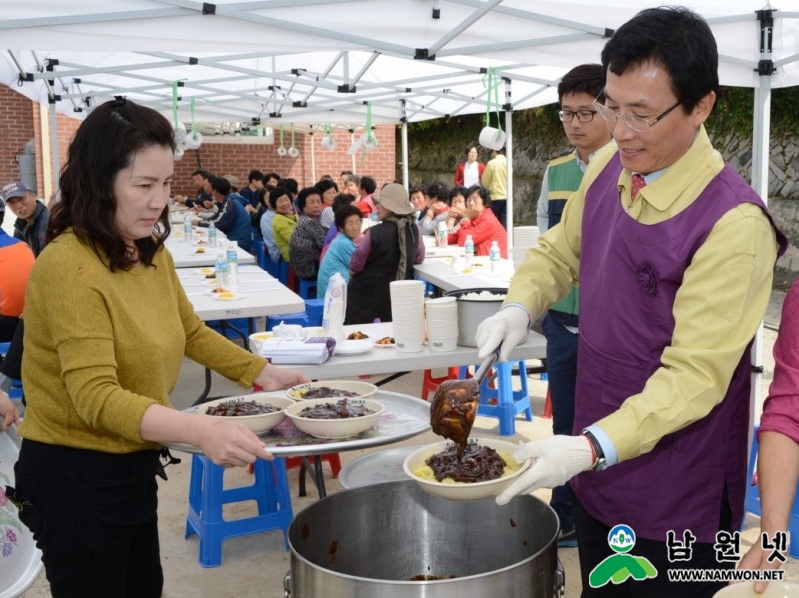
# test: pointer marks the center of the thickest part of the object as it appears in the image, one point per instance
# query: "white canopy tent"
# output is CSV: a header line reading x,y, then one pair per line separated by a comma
x,y
320,61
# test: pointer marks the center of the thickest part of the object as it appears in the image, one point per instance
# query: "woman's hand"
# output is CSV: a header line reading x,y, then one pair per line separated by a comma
x,y
757,559
275,378
8,412
230,444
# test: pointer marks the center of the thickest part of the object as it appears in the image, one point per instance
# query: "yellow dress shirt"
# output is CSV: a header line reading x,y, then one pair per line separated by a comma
x,y
717,310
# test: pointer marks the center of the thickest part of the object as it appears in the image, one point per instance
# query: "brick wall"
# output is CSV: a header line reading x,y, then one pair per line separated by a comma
x,y
16,128
238,158
19,122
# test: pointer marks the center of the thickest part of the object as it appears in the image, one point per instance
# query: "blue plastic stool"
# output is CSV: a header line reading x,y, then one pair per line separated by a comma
x,y
272,268
300,318
207,497
315,309
305,288
752,500
507,403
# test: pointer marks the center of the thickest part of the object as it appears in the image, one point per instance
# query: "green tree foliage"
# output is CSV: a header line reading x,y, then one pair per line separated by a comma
x,y
732,114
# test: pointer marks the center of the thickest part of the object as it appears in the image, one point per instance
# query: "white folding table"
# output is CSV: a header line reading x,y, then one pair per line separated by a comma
x,y
441,274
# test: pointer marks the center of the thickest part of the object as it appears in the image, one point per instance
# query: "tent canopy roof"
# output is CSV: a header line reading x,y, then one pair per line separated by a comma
x,y
321,61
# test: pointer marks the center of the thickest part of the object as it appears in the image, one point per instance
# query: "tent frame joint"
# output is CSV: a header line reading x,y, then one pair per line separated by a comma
x,y
209,8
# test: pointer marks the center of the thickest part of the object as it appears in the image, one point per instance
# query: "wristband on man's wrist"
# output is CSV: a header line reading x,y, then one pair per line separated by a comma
x,y
598,462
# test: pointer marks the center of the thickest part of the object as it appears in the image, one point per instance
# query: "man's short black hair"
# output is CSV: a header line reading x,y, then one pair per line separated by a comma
x,y
221,185
368,184
272,175
675,38
206,174
255,175
586,78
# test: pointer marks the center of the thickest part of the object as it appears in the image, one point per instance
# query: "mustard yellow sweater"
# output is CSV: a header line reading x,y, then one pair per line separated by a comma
x,y
101,347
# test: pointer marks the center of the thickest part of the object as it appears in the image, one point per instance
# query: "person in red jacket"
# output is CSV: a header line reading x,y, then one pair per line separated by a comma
x,y
470,172
480,222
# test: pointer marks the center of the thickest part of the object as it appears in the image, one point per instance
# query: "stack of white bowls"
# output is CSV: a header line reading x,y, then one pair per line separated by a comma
x,y
442,323
407,311
524,238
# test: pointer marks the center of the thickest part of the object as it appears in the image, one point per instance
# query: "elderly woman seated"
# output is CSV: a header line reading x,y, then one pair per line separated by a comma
x,y
284,220
479,222
387,253
338,255
437,208
457,208
305,245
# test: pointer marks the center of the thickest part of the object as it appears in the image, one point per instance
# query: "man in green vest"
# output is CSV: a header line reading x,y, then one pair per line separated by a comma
x,y
587,133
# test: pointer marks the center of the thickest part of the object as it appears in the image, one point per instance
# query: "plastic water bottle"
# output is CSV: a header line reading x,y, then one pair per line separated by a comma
x,y
373,218
187,227
222,280
441,239
233,265
469,247
494,256
212,236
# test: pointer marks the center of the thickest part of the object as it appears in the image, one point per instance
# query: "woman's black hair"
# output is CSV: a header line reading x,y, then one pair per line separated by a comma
x,y
345,212
276,194
343,199
302,198
482,193
104,144
326,184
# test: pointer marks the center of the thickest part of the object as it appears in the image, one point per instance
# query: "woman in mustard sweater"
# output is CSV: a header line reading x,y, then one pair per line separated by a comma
x,y
107,327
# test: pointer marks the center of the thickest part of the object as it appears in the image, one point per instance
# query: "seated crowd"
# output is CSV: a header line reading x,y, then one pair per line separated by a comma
x,y
320,230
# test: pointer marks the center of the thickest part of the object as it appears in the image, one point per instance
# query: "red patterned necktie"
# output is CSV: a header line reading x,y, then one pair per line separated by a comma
x,y
639,182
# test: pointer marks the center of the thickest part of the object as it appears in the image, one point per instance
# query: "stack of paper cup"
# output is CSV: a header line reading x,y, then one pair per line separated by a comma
x,y
407,312
524,238
442,323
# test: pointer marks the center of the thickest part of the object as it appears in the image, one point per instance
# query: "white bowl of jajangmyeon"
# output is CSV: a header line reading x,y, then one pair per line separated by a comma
x,y
476,464
260,412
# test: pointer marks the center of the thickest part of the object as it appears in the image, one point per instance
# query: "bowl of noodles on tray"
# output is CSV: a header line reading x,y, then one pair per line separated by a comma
x,y
260,412
485,469
332,389
335,418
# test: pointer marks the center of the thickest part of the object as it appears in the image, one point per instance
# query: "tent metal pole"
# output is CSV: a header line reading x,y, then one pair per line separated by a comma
x,y
54,147
760,173
352,140
313,158
405,171
509,155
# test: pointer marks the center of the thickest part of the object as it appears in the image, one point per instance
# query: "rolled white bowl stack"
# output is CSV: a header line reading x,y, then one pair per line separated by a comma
x,y
442,323
524,238
407,311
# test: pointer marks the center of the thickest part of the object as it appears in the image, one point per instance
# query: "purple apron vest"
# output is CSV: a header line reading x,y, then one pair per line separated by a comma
x,y
630,274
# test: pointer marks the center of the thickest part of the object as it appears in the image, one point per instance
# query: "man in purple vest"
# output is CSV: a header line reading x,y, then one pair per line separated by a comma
x,y
673,253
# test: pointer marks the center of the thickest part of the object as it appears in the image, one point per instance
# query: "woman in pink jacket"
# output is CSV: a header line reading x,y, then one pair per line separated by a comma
x,y
480,222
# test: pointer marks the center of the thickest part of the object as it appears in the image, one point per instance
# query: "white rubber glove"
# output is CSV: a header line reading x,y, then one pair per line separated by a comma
x,y
556,460
507,327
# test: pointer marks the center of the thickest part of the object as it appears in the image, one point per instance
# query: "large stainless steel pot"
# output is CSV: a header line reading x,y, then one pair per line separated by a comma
x,y
371,541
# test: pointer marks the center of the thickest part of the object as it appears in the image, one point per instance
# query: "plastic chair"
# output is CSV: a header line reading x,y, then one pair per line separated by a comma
x,y
300,318
503,402
548,405
260,254
315,309
305,288
333,459
752,500
270,490
283,272
15,393
429,384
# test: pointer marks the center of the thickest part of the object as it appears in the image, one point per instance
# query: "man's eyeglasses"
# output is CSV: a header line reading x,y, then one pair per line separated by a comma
x,y
638,124
584,116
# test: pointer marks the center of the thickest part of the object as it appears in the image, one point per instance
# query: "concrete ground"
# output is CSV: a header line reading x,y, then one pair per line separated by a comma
x,y
255,565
